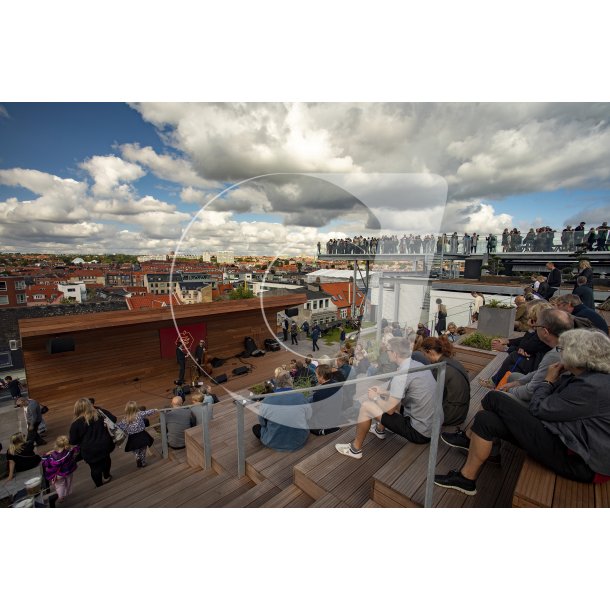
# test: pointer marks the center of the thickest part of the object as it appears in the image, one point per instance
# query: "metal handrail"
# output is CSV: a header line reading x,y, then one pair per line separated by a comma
x,y
436,419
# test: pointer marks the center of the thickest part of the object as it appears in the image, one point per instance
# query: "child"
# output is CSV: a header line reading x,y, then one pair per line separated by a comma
x,y
59,465
134,424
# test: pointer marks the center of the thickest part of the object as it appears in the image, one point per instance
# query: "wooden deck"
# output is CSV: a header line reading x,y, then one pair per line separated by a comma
x,y
390,474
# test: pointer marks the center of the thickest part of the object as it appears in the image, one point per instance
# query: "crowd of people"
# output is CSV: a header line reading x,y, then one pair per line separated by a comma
x,y
541,239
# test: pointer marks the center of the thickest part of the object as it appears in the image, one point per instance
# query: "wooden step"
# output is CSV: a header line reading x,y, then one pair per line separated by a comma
x,y
371,504
254,497
328,501
289,497
327,471
277,466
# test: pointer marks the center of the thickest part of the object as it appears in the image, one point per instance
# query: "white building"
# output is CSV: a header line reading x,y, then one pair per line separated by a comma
x,y
76,291
226,257
151,257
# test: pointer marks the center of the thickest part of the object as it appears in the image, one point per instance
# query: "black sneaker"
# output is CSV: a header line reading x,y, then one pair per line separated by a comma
x,y
458,439
454,480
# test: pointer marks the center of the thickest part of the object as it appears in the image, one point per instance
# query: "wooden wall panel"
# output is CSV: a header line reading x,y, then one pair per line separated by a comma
x,y
110,356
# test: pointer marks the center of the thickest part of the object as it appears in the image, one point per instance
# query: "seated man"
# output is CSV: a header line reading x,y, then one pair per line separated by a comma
x,y
327,404
178,421
566,426
414,392
573,305
283,420
550,324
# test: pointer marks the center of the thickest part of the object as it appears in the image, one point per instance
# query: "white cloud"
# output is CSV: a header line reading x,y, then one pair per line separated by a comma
x,y
108,172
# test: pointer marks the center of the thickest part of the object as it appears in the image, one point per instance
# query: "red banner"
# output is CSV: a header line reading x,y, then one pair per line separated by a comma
x,y
191,334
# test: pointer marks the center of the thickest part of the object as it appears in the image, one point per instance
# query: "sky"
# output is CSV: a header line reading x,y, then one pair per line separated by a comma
x,y
153,177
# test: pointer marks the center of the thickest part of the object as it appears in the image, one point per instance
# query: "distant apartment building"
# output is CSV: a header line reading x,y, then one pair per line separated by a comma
x,y
42,294
12,291
122,278
89,276
192,292
151,257
319,308
161,283
206,257
225,257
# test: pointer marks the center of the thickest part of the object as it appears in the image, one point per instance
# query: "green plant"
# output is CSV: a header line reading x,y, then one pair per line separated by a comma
x,y
478,340
497,304
241,292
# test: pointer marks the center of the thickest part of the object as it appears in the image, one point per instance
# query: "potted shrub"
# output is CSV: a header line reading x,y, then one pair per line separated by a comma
x,y
496,319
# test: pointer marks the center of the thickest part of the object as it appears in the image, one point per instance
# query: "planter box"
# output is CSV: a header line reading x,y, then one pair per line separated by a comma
x,y
496,321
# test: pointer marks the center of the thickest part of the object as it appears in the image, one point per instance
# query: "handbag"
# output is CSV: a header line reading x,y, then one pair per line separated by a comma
x,y
118,435
44,409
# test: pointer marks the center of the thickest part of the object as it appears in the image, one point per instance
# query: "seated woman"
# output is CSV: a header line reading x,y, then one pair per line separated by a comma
x,y
456,393
20,455
524,353
566,426
283,420
361,360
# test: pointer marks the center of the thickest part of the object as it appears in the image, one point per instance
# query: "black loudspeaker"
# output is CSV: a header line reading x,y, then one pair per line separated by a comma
x,y
240,370
217,362
60,344
220,379
293,311
249,345
472,269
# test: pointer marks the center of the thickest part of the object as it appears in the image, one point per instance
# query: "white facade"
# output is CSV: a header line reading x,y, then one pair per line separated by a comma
x,y
226,257
206,257
76,291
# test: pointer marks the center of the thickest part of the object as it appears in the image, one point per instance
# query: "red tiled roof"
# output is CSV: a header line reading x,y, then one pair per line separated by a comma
x,y
151,301
343,294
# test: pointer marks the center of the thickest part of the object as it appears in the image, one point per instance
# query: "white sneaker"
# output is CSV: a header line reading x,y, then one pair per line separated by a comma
x,y
346,449
378,433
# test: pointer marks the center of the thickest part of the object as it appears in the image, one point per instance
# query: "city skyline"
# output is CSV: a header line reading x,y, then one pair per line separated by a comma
x,y
139,178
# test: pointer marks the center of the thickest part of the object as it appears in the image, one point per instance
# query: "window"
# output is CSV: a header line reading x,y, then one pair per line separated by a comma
x,y
21,298
20,285
321,303
5,359
71,289
344,313
315,304
325,302
3,300
2,285
38,297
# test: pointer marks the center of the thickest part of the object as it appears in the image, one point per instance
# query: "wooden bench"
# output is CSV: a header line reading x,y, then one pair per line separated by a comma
x,y
538,487
401,481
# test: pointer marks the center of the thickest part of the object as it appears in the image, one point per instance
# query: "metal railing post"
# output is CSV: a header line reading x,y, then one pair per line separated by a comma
x,y
436,430
241,449
379,308
207,443
164,450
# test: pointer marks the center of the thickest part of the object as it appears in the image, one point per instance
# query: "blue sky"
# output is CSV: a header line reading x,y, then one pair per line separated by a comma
x,y
110,176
